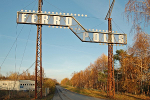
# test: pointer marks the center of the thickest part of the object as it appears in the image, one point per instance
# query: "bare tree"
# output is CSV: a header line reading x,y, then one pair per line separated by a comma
x,y
138,11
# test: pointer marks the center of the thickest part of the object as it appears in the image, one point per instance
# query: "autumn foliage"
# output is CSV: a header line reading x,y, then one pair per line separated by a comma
x,y
133,75
94,76
65,81
135,65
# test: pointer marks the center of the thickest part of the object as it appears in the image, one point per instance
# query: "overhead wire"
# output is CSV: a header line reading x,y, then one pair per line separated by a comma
x,y
98,25
64,11
88,17
29,4
26,42
24,53
11,47
120,30
16,48
27,38
54,6
26,69
76,16
59,9
14,41
25,48
118,26
34,5
15,58
21,74
26,45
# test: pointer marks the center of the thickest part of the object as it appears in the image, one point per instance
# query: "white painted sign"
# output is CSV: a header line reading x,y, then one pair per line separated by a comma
x,y
46,19
69,21
103,38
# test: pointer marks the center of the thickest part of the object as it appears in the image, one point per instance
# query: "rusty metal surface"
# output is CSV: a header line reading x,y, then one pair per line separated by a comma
x,y
110,10
38,65
110,81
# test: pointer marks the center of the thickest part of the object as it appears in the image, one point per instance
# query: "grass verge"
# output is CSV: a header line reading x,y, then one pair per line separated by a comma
x,y
103,94
48,97
14,95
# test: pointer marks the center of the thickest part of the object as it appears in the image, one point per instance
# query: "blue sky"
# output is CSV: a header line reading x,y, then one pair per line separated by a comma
x,y
63,53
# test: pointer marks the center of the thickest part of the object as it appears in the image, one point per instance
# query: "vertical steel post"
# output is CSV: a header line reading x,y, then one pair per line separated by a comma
x,y
110,81
38,64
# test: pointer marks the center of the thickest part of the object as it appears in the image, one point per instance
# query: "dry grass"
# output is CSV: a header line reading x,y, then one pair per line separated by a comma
x,y
88,92
20,95
103,94
131,97
16,95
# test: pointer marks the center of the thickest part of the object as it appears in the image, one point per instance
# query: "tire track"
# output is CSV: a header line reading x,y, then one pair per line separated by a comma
x,y
64,95
57,92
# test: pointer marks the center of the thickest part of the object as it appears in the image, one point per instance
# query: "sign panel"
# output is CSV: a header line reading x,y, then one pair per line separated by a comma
x,y
66,20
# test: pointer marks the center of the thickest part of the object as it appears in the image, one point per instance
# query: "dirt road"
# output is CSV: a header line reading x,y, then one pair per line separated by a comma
x,y
63,94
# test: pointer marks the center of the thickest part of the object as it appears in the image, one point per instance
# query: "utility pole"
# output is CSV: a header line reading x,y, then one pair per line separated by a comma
x,y
38,64
110,79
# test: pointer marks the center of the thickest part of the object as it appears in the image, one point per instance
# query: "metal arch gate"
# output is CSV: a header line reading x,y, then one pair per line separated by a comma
x,y
66,20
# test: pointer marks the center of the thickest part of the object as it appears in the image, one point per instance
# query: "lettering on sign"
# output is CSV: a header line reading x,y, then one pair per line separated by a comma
x,y
46,19
103,38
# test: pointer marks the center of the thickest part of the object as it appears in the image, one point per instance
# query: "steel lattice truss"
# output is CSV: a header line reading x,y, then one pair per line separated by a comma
x,y
111,80
38,64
